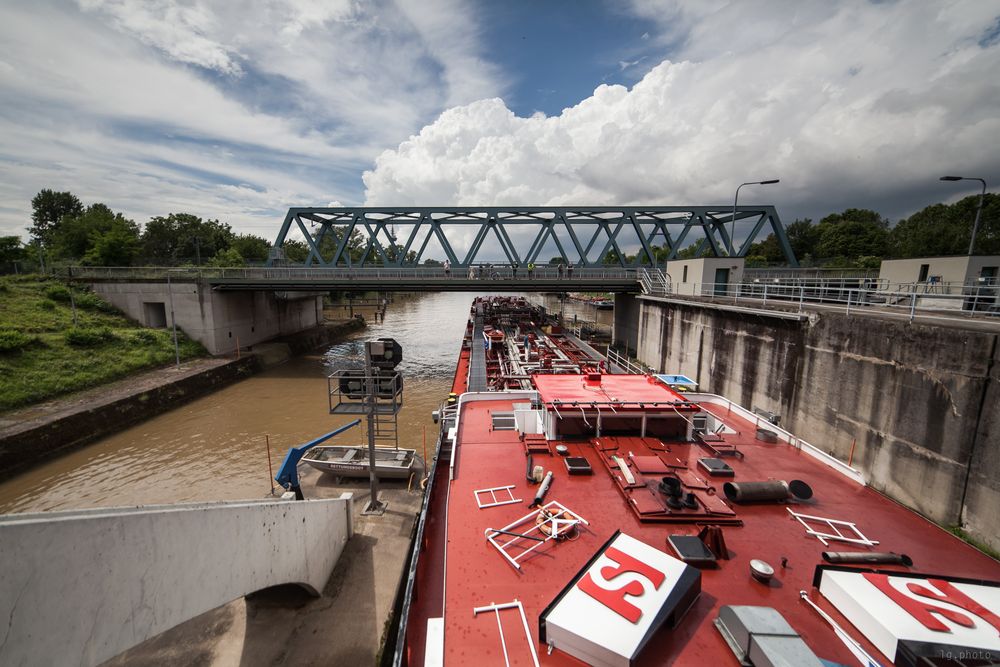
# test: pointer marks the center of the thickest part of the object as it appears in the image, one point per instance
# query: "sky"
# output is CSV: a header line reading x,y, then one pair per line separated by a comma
x,y
238,111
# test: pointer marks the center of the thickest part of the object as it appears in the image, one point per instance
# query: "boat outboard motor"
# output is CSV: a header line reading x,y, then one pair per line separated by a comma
x,y
542,490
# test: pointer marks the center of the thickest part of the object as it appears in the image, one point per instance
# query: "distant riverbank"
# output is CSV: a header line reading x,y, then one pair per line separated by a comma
x,y
54,341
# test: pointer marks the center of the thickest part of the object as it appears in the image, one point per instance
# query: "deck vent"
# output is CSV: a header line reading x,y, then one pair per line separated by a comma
x,y
761,637
503,421
578,465
592,380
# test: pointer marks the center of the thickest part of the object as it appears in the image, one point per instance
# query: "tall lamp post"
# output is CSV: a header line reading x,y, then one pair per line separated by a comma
x,y
979,209
173,322
732,228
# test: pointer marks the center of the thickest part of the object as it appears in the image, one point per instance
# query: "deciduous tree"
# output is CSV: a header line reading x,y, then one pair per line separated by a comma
x,y
48,208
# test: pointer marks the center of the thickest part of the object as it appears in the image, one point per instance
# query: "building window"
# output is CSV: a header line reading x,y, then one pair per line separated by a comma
x,y
924,269
684,275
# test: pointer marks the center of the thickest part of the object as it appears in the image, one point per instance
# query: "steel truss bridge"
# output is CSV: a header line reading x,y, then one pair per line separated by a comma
x,y
585,237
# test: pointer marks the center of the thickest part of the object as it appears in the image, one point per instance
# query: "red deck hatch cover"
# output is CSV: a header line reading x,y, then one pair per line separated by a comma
x,y
650,465
645,502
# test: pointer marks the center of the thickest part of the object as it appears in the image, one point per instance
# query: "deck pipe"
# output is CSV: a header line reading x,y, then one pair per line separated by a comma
x,y
751,492
542,490
849,557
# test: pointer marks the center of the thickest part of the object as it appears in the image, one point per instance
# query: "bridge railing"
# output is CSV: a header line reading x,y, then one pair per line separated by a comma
x,y
909,299
327,274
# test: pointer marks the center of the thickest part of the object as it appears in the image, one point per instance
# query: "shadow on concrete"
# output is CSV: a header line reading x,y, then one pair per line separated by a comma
x,y
190,643
285,626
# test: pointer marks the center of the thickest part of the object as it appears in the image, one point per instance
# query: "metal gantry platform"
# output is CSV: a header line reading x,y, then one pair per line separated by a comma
x,y
470,236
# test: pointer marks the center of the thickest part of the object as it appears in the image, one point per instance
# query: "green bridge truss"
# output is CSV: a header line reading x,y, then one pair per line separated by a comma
x,y
626,236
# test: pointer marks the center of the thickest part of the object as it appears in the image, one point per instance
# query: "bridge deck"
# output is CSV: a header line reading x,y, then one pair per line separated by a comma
x,y
416,279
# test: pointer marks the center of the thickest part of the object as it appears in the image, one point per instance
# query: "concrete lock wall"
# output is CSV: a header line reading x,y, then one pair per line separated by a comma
x,y
920,401
218,320
80,587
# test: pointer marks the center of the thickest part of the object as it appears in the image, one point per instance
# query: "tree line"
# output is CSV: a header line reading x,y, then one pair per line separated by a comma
x,y
64,230
862,238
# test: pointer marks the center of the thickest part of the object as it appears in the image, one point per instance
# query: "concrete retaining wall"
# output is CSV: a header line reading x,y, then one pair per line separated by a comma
x,y
77,588
35,440
216,319
920,401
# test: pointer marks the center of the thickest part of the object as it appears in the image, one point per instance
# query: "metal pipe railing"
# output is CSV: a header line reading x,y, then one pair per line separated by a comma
x,y
910,299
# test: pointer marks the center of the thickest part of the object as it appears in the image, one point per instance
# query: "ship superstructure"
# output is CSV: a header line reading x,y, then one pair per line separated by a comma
x,y
581,516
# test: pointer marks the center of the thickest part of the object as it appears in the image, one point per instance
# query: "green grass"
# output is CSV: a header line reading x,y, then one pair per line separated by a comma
x,y
42,353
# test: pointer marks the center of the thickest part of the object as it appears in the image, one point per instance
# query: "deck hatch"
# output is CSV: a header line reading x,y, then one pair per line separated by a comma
x,y
503,421
622,597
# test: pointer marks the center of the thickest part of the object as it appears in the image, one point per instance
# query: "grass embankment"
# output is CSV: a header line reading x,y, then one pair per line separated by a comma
x,y
42,353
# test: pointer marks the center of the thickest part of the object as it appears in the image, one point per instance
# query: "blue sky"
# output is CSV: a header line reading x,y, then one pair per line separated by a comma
x,y
557,56
238,112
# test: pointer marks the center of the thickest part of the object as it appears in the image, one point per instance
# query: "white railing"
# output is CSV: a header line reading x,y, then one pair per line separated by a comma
x,y
625,363
321,274
654,281
783,436
907,300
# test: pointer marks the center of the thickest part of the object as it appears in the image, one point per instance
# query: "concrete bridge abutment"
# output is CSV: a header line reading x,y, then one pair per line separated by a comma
x,y
220,320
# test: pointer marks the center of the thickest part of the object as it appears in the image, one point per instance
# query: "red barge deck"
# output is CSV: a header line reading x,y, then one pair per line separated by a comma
x,y
589,575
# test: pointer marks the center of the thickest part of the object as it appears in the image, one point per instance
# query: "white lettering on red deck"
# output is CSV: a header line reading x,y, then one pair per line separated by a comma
x,y
925,612
890,609
614,598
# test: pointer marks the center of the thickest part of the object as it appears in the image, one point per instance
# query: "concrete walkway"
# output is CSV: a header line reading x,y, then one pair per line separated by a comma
x,y
284,626
54,409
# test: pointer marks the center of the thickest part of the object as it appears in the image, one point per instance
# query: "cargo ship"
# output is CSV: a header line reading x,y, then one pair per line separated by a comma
x,y
577,514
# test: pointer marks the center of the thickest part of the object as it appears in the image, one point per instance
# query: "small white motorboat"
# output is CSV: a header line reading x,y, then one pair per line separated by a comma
x,y
353,461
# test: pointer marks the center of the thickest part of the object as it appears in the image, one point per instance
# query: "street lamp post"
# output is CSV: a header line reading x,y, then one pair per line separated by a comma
x,y
732,228
173,322
979,209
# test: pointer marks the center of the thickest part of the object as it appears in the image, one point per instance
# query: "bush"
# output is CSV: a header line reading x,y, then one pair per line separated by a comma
x,y
90,301
86,337
47,304
58,293
12,340
147,336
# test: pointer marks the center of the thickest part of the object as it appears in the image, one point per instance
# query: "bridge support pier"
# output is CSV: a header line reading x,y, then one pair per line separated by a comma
x,y
219,320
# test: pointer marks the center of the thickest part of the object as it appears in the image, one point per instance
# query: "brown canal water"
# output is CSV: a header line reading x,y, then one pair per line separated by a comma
x,y
215,448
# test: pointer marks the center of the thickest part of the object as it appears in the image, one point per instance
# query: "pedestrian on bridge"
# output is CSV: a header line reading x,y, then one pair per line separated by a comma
x,y
559,270
531,270
447,268
513,270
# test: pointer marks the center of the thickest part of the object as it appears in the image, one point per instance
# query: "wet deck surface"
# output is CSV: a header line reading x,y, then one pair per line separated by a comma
x,y
477,573
284,626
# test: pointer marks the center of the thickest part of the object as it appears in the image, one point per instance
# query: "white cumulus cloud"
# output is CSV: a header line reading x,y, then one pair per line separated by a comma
x,y
850,104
